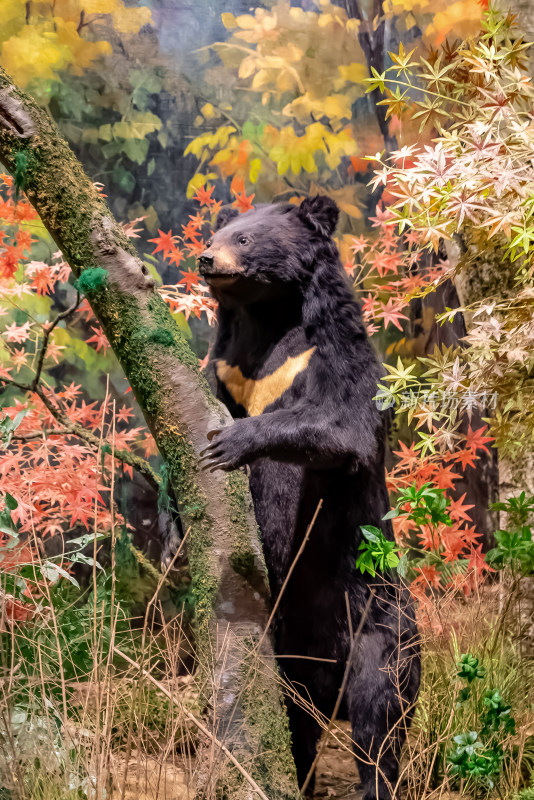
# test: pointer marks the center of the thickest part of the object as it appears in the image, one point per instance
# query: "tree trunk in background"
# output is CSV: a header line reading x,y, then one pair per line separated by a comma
x,y
514,475
227,569
480,485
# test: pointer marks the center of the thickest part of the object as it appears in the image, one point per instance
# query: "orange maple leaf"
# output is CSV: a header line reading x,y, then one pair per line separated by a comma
x,y
242,202
165,242
204,195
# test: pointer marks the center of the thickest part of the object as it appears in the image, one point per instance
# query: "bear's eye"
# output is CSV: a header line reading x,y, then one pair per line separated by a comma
x,y
242,240
209,244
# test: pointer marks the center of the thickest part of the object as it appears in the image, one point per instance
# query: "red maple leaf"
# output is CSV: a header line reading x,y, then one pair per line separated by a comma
x,y
165,242
445,477
176,256
237,185
454,545
17,333
476,440
124,414
9,261
190,231
24,241
216,207
99,339
465,458
190,279
243,203
43,280
477,562
204,195
429,537
458,509
195,247
359,244
408,456
390,313
430,574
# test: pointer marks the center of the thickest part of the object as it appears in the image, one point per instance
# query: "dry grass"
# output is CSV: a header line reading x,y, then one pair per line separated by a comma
x,y
111,731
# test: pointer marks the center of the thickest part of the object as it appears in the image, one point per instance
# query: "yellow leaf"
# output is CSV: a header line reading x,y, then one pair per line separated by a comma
x,y
350,209
207,110
222,155
247,67
355,72
255,169
30,55
308,163
90,135
195,184
261,79
104,132
245,21
228,20
285,81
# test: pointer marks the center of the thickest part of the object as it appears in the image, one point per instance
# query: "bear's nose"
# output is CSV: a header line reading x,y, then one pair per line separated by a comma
x,y
205,261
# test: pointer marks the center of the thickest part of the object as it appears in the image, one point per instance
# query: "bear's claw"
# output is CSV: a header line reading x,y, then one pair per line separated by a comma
x,y
224,451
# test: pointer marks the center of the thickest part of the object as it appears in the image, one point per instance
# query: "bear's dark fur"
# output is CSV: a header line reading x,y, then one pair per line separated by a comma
x,y
298,374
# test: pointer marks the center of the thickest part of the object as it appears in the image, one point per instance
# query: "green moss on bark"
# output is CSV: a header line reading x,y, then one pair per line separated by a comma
x,y
161,336
243,557
92,279
274,768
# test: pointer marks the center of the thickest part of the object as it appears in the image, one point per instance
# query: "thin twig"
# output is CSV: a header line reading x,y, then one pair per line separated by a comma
x,y
46,338
191,717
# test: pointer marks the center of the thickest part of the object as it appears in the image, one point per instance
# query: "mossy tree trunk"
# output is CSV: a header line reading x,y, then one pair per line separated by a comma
x,y
227,569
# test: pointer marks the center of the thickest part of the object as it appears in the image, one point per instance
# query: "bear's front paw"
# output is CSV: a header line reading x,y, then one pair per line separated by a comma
x,y
227,449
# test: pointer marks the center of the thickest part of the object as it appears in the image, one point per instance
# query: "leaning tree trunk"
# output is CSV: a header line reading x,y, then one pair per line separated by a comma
x,y
228,574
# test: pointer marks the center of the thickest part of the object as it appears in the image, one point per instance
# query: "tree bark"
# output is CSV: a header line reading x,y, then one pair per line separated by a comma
x,y
227,569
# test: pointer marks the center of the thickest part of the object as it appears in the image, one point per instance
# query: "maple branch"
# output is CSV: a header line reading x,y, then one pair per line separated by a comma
x,y
227,569
140,464
41,434
46,339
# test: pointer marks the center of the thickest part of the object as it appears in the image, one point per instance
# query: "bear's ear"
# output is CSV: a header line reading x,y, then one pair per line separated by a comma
x,y
319,213
225,215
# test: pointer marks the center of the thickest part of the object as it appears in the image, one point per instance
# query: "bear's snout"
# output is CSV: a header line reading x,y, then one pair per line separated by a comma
x,y
205,263
218,263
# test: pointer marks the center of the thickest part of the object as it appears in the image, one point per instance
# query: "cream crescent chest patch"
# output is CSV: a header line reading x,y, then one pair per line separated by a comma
x,y
256,395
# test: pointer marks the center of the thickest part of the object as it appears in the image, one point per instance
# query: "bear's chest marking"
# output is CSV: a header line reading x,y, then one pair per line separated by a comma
x,y
256,395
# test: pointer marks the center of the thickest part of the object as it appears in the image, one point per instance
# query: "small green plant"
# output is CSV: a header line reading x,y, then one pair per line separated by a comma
x,y
378,554
477,757
425,506
515,546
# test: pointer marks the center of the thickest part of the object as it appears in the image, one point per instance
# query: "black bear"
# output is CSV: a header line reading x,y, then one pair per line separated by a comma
x,y
296,370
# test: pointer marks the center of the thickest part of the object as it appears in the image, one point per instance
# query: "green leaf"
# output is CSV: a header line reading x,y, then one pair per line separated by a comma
x,y
136,149
10,501
53,572
371,533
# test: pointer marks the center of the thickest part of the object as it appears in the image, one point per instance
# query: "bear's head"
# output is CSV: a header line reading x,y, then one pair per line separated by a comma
x,y
253,255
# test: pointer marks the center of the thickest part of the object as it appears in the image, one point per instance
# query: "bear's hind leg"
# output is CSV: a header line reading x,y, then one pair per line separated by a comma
x,y
305,733
380,696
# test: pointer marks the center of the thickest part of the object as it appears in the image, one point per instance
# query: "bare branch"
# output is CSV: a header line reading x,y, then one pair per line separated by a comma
x,y
46,338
